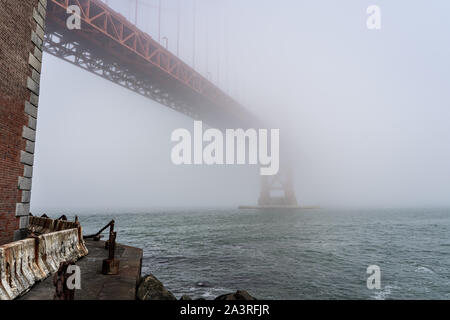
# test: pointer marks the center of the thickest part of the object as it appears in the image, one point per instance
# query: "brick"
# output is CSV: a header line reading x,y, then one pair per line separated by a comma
x,y
22,25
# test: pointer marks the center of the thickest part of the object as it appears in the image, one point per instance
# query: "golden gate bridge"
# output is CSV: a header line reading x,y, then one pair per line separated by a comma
x,y
116,49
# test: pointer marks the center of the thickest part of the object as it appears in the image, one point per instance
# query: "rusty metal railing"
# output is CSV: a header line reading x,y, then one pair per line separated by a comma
x,y
110,265
97,236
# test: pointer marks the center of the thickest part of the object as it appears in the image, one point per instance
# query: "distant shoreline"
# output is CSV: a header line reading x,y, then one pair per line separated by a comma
x,y
277,207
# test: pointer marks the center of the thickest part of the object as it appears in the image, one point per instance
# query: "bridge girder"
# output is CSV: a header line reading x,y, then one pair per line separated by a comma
x,y
112,47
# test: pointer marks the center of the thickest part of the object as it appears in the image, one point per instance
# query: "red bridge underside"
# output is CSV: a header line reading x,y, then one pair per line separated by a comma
x,y
110,46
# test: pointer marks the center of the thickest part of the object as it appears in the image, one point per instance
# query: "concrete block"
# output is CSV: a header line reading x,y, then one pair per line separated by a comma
x,y
33,86
38,53
32,123
34,100
29,146
36,76
30,109
26,196
26,158
40,32
29,134
22,209
36,40
31,265
23,223
38,18
42,10
20,234
35,63
27,171
24,183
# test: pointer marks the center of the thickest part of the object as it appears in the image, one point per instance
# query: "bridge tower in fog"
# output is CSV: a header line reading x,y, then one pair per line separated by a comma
x,y
278,190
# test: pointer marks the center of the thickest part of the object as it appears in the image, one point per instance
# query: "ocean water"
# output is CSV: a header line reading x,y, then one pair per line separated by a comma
x,y
291,254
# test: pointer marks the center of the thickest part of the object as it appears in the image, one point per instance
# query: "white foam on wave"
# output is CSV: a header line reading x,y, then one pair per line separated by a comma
x,y
424,270
214,292
384,293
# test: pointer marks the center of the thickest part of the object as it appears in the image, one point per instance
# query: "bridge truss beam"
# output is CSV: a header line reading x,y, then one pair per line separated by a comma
x,y
74,53
112,47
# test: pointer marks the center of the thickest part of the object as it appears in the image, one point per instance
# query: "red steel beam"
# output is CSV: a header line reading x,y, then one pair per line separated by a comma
x,y
100,22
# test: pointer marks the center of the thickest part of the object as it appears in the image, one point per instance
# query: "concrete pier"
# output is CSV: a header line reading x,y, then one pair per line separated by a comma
x,y
95,285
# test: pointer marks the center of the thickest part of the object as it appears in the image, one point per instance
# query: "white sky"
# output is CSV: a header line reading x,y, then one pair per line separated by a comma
x,y
367,112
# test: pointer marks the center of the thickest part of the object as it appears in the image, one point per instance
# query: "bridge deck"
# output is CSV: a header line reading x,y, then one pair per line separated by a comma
x,y
112,47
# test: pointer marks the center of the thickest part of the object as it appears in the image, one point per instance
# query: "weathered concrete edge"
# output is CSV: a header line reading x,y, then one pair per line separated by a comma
x,y
135,268
25,262
31,112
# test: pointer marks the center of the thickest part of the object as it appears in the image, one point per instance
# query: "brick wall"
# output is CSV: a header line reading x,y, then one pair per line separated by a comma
x,y
21,36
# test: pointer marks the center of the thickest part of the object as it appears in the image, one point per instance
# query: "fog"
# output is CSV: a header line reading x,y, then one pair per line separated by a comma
x,y
366,112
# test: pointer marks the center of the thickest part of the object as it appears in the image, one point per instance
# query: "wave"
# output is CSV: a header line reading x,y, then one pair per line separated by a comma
x,y
384,293
423,270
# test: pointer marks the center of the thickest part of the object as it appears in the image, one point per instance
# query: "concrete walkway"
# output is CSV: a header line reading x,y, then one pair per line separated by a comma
x,y
95,285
